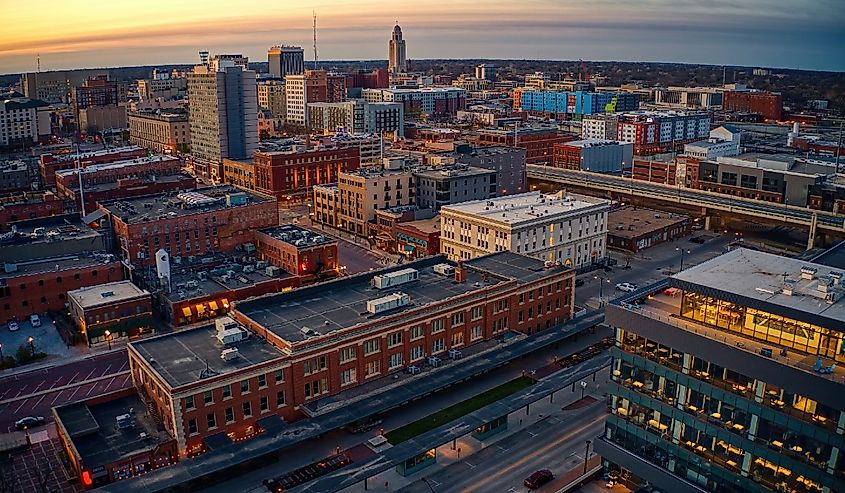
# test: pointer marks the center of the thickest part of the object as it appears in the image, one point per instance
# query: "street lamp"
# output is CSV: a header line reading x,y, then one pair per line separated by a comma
x,y
682,250
31,342
587,456
108,338
601,287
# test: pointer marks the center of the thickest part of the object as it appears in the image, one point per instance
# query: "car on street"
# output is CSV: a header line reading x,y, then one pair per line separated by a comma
x,y
626,287
579,282
29,422
13,325
538,478
35,320
698,239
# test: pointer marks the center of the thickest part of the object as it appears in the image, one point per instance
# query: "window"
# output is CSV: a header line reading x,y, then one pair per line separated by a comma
x,y
189,402
263,403
347,354
280,398
348,376
437,346
373,368
457,318
371,346
230,415
244,386
262,381
394,339
227,391
476,313
279,376
437,325
208,397
212,421
417,353
395,360
417,332
477,333
247,409
192,427
457,339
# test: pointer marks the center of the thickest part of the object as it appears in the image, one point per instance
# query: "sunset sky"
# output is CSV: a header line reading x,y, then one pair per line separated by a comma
x,y
777,33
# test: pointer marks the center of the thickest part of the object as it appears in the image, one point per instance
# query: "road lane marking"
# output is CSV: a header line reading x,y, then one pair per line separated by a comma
x,y
59,393
471,466
532,434
503,449
57,389
39,401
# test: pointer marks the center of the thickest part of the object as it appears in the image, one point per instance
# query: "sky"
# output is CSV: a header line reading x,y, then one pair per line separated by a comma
x,y
805,34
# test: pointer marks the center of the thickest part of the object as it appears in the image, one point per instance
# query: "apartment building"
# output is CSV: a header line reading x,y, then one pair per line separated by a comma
x,y
363,191
160,131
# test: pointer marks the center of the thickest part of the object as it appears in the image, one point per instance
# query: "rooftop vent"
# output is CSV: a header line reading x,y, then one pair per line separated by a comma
x,y
107,294
388,302
229,354
808,272
399,277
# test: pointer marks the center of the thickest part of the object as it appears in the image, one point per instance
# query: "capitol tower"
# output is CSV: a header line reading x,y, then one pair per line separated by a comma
x,y
397,52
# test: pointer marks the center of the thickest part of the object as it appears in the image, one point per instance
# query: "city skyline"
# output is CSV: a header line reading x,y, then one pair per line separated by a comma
x,y
754,33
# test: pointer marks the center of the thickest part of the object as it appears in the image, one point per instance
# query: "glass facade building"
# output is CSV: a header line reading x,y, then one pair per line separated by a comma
x,y
725,378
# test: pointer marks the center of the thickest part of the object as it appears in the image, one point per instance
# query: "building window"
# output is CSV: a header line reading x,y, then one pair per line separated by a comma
x,y
227,391
262,381
373,368
230,415
244,386
189,402
212,421
396,360
438,325
417,353
347,354
457,318
457,339
247,409
437,346
476,312
263,403
280,398
192,426
417,332
371,346
208,397
394,339
348,376
477,333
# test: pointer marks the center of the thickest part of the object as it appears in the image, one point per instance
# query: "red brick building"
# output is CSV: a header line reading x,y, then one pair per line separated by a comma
x,y
189,224
286,174
50,163
417,239
655,171
111,311
28,205
538,142
634,229
298,251
765,103
213,384
378,78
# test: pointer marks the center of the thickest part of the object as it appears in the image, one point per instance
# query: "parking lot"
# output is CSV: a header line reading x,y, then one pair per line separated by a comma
x,y
44,338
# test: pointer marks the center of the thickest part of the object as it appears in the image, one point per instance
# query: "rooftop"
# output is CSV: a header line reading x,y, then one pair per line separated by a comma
x,y
631,222
453,171
789,286
170,204
98,153
297,236
190,355
97,437
56,264
103,294
430,225
47,230
593,143
117,165
528,207
342,304
212,274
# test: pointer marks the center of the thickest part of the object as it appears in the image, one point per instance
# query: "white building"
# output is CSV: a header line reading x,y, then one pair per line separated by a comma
x,y
358,116
601,126
723,141
296,99
22,120
566,228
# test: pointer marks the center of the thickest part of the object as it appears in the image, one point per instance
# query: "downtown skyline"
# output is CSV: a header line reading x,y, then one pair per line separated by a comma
x,y
752,33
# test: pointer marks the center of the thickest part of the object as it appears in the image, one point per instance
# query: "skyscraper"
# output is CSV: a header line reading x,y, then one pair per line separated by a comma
x,y
223,116
397,52
286,60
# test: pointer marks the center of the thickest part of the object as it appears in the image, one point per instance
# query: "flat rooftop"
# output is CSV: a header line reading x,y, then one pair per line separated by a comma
x,y
127,163
104,294
98,153
214,274
631,222
342,304
56,264
453,171
594,143
48,230
94,432
190,355
147,208
761,277
297,236
430,225
528,207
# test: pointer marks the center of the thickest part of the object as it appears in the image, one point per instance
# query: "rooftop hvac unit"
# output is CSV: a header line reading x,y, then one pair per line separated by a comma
x,y
249,268
388,302
397,278
444,269
272,271
229,354
123,421
191,284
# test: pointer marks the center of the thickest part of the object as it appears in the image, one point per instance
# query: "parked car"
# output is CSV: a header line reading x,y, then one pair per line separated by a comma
x,y
626,287
538,478
579,282
698,239
13,325
29,422
35,320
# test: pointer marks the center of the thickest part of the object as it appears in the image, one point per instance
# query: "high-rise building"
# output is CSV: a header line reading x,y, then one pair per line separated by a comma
x,y
223,116
396,53
23,121
286,60
726,378
56,86
358,116
485,71
313,86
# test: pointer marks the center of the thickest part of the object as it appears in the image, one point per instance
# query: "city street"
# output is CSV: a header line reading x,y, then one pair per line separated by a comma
x,y
34,393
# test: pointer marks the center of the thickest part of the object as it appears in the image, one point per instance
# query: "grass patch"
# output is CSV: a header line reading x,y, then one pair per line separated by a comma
x,y
456,411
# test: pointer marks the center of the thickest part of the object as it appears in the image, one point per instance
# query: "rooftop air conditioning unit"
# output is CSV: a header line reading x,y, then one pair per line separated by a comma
x,y
444,269
229,354
399,277
388,302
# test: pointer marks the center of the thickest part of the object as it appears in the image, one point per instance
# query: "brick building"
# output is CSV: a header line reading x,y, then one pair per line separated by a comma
x,y
188,224
291,174
298,251
538,142
765,103
50,163
28,205
111,311
633,229
655,171
283,352
160,131
420,238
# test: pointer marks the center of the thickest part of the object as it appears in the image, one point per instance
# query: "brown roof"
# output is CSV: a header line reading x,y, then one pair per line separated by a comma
x,y
632,222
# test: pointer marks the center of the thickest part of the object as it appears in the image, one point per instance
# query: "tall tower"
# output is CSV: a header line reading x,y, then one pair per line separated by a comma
x,y
397,52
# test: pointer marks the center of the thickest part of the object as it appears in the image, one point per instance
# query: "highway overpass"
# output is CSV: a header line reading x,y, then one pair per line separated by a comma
x,y
815,221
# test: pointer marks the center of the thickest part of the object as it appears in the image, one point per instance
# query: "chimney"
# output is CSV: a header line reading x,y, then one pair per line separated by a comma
x,y
460,273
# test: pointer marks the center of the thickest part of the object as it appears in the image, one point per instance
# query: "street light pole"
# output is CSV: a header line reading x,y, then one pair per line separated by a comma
x,y
587,456
682,256
108,338
31,342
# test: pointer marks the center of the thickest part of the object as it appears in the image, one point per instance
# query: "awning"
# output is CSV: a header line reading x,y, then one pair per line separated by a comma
x,y
409,248
186,311
225,303
212,305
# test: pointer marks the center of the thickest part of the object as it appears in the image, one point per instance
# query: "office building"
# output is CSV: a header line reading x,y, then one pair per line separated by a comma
x,y
598,156
103,119
50,163
723,141
726,378
298,251
767,104
562,228
291,173
111,312
56,86
52,236
396,52
18,176
98,91
507,162
633,229
689,97
577,103
271,96
444,185
538,142
28,205
432,101
313,86
222,115
278,355
218,62
165,88
362,79
653,132
23,121
485,71
166,132
358,116
285,60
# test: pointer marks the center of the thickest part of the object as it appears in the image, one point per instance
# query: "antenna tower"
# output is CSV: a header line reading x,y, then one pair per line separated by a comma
x,y
315,39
